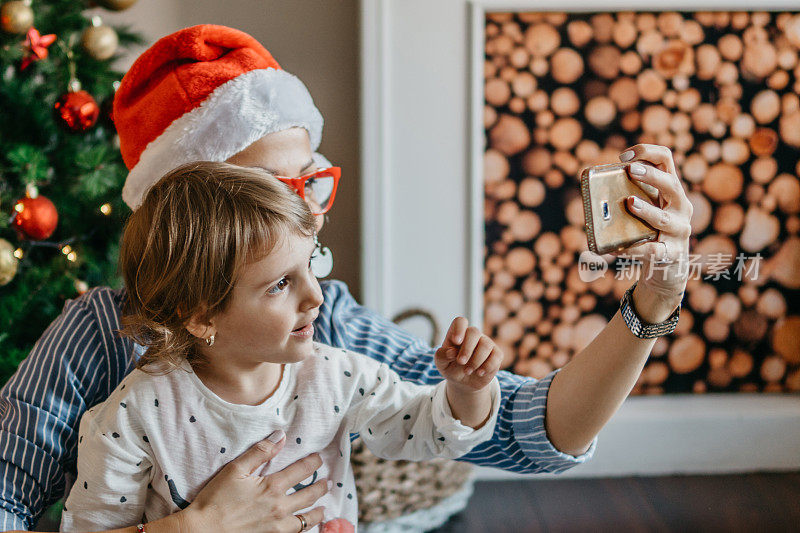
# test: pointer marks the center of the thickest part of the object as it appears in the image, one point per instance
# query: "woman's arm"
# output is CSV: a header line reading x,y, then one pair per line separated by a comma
x,y
519,442
593,385
74,364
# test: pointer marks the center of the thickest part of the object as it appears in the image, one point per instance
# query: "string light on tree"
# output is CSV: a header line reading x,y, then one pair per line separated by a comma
x,y
70,253
16,16
80,286
105,209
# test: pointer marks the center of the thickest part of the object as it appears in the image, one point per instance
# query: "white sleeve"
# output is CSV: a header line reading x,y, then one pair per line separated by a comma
x,y
402,420
113,472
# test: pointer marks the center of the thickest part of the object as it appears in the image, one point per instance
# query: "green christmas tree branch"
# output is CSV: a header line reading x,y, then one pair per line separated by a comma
x,y
81,173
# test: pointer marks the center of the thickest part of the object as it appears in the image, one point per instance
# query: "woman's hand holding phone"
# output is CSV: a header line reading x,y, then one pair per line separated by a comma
x,y
661,289
619,218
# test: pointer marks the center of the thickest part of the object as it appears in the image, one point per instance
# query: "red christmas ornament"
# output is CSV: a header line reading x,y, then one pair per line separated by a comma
x,y
36,45
77,110
35,218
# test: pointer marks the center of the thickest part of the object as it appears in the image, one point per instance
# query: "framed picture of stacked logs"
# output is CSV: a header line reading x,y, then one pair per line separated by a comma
x,y
562,91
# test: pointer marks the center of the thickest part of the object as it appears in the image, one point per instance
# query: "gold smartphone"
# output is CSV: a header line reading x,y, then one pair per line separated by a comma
x,y
609,225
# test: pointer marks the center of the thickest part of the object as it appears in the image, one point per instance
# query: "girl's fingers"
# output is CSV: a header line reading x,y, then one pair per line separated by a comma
x,y
455,334
295,472
471,339
307,496
492,363
660,219
448,354
480,354
291,524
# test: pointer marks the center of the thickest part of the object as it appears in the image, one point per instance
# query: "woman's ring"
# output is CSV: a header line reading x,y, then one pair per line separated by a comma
x,y
303,523
664,256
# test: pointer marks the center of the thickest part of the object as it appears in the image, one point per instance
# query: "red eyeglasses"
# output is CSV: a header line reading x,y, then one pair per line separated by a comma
x,y
317,188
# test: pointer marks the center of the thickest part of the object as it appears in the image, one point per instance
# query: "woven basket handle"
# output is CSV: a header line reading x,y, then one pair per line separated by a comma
x,y
427,315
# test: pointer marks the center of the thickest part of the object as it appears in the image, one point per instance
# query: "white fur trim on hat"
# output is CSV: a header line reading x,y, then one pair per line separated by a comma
x,y
320,160
235,115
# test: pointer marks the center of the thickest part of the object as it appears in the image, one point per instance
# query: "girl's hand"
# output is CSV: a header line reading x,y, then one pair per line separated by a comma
x,y
664,270
468,358
237,500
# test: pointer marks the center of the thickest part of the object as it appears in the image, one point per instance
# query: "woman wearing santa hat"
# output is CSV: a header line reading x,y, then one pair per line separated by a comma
x,y
214,93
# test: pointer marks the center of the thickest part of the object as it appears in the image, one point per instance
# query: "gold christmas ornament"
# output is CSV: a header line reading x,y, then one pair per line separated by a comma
x,y
8,262
16,16
100,41
116,5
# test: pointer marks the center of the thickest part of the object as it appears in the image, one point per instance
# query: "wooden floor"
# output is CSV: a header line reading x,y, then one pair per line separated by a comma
x,y
746,503
768,503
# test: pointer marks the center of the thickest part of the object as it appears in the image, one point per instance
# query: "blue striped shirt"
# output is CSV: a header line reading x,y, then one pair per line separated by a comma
x,y
80,359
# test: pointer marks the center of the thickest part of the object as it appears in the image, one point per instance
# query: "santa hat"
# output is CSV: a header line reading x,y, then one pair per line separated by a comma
x,y
203,93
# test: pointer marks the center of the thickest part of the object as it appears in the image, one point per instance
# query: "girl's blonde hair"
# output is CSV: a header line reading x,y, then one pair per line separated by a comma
x,y
185,247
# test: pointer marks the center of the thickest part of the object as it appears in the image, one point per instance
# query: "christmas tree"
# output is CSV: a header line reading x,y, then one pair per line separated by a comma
x,y
61,172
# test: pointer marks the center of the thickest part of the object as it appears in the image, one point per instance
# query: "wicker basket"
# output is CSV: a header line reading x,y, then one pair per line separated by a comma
x,y
389,489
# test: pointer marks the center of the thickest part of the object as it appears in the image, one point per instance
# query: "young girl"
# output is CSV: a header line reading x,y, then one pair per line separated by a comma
x,y
217,266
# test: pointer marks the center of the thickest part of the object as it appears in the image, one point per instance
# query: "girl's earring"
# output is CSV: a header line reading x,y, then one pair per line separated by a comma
x,y
322,260
210,341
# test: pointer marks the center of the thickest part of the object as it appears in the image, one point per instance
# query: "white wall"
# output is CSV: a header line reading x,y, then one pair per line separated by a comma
x,y
415,138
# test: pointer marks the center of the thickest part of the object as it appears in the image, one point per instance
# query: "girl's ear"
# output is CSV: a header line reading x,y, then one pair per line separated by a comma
x,y
201,326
